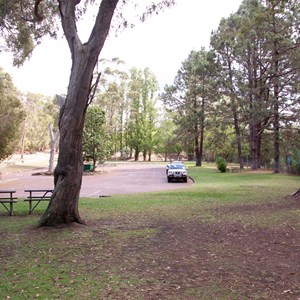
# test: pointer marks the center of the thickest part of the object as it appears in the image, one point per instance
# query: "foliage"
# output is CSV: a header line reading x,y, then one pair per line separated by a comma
x,y
21,30
11,116
166,137
128,101
25,22
141,124
191,96
221,164
96,142
256,49
111,97
296,163
40,112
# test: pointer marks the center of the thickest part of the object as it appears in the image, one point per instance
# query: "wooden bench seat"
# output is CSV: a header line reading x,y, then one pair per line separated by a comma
x,y
8,198
37,196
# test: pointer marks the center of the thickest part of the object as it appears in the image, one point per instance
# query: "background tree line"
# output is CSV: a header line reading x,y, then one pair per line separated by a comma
x,y
24,119
238,100
123,120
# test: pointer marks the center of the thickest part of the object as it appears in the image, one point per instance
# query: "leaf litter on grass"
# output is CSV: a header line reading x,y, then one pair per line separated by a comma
x,y
245,251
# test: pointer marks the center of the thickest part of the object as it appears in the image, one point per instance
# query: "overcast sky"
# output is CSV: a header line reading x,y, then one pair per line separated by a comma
x,y
162,43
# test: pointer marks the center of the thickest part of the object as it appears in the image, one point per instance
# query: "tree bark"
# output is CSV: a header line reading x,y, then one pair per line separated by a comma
x,y
238,139
63,206
275,63
136,154
197,147
234,109
53,142
254,147
202,126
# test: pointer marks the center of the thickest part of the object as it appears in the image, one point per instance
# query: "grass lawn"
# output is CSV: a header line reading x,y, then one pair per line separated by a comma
x,y
228,236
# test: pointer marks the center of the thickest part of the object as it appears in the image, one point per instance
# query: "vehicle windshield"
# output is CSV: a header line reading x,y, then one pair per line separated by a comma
x,y
176,166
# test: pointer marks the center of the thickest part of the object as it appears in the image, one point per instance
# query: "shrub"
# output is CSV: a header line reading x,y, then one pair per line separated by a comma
x,y
296,163
221,164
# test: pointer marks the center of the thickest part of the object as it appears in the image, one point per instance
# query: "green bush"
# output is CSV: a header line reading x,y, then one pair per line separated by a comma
x,y
296,163
221,164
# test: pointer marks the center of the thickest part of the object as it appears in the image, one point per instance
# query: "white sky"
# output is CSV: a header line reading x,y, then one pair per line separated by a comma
x,y
162,43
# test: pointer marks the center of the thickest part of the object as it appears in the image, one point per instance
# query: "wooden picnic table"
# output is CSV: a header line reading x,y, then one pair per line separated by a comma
x,y
7,197
233,169
37,195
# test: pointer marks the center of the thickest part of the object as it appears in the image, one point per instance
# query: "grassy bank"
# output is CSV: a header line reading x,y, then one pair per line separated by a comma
x,y
229,236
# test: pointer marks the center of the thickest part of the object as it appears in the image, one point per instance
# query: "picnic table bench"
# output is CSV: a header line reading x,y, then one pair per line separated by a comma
x,y
37,196
233,169
7,197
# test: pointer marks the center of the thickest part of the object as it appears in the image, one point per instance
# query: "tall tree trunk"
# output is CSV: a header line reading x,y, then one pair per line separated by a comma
x,y
63,206
276,97
254,146
53,142
238,139
234,113
23,140
201,145
276,140
197,147
202,129
149,155
136,154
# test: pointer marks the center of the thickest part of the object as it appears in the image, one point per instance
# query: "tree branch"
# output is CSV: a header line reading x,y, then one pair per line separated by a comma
x,y
102,26
94,89
37,14
68,20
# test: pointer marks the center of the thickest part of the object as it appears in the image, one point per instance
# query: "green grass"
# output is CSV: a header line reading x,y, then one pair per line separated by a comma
x,y
118,254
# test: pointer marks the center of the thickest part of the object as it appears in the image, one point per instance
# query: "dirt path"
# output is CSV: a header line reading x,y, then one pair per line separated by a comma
x,y
111,179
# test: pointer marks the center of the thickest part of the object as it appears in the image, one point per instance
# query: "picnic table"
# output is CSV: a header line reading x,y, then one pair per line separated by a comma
x,y
37,196
233,169
7,197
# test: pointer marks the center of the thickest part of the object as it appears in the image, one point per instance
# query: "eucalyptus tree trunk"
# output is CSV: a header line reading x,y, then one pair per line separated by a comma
x,y
53,141
275,63
197,145
54,136
234,112
63,206
202,119
136,153
238,137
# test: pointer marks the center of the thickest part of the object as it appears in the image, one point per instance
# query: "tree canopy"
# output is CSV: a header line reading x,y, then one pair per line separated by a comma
x,y
12,115
96,142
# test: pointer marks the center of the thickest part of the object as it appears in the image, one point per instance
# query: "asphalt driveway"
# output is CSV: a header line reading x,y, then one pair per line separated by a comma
x,y
111,179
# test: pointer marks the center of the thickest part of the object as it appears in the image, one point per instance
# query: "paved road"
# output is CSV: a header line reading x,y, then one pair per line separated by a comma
x,y
125,178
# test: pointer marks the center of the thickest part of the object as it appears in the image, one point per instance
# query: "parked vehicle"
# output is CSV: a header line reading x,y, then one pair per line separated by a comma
x,y
175,162
176,172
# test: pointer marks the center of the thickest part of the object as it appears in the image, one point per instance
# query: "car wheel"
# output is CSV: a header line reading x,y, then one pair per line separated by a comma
x,y
185,179
169,179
